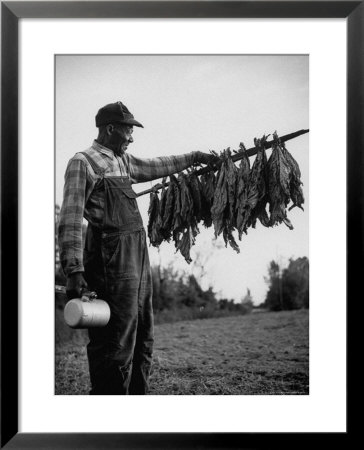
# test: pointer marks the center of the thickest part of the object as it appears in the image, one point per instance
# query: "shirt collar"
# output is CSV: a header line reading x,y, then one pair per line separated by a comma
x,y
104,150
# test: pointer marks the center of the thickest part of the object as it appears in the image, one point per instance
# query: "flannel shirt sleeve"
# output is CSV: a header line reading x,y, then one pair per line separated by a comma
x,y
149,169
71,217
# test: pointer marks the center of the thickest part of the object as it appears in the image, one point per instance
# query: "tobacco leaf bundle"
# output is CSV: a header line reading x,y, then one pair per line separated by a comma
x,y
223,207
242,191
256,191
295,183
189,226
284,183
279,172
259,211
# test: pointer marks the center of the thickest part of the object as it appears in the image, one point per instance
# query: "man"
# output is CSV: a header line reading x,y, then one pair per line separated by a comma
x,y
114,260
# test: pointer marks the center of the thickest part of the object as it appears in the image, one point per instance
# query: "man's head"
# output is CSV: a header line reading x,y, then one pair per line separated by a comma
x,y
115,136
115,123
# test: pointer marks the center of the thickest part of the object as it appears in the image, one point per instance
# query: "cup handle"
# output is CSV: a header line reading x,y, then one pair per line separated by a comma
x,y
88,296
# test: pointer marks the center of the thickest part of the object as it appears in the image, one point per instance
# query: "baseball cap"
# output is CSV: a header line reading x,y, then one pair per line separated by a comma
x,y
116,112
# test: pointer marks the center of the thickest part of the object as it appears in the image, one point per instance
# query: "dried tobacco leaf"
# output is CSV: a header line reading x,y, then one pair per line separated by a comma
x,y
185,244
279,174
152,211
242,190
154,222
295,184
187,208
164,225
177,222
196,192
261,186
257,191
220,201
188,227
208,181
167,218
162,203
231,178
223,208
229,239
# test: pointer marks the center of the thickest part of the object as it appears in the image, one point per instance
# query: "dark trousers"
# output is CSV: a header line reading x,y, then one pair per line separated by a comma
x,y
120,354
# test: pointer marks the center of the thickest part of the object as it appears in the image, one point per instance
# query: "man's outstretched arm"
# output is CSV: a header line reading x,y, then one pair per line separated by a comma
x,y
148,169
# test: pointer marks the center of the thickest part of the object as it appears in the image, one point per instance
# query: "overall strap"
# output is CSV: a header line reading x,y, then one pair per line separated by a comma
x,y
96,168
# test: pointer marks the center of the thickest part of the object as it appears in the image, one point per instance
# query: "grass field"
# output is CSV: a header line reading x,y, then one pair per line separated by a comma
x,y
261,353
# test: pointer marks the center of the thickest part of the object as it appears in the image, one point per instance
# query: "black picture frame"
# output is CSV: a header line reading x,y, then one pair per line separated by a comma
x,y
11,12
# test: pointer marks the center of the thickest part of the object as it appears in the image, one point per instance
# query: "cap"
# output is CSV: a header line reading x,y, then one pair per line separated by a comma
x,y
116,112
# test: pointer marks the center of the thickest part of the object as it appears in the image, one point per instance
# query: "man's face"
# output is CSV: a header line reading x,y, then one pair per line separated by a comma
x,y
120,137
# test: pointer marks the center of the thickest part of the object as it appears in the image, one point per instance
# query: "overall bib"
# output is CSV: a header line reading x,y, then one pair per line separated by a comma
x,y
117,267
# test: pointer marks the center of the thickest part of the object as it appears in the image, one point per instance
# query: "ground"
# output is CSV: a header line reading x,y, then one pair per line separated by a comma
x,y
263,353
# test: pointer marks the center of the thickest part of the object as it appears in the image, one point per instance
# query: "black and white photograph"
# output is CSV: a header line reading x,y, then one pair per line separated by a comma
x,y
181,221
182,224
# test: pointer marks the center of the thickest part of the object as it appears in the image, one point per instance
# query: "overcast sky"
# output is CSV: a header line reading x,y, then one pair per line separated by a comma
x,y
191,103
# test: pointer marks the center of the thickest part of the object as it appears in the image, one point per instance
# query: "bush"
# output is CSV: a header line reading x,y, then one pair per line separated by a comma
x,y
180,297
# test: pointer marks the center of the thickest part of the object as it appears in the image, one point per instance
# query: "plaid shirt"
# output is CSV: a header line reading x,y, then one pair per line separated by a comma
x,y
81,200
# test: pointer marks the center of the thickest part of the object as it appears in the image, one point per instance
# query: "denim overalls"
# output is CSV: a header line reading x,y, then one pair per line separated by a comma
x,y
117,267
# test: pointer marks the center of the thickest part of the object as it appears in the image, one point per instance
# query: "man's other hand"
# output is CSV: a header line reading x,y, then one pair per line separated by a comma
x,y
75,284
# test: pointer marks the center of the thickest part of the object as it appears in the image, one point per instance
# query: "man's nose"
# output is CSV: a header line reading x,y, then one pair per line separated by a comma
x,y
131,139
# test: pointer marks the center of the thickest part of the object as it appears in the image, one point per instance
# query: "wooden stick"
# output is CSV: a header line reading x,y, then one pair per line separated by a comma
x,y
250,152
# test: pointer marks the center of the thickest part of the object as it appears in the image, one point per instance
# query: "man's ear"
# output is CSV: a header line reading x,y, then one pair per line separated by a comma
x,y
109,129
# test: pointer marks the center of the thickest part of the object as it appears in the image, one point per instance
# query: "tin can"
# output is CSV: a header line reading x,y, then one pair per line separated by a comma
x,y
86,312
